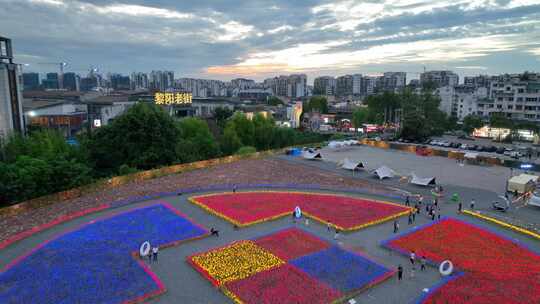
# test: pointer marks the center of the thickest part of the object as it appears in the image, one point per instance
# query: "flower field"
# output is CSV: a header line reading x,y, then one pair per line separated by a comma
x,y
343,212
94,263
305,269
493,269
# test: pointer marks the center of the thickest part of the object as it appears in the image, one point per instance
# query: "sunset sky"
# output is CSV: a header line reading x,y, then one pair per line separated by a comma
x,y
258,39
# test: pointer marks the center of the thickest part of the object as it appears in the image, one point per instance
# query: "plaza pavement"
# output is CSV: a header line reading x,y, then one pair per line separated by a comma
x,y
185,285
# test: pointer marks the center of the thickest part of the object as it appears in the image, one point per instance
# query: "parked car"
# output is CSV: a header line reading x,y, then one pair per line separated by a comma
x,y
492,149
508,151
480,148
471,147
455,145
500,150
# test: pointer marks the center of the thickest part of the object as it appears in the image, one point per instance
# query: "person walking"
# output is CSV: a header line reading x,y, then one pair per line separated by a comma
x,y
328,226
155,253
412,257
410,218
413,216
472,204
420,200
396,226
460,206
399,272
407,202
417,208
149,255
423,263
336,235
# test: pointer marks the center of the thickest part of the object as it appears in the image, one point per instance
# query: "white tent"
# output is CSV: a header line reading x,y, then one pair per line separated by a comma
x,y
384,172
522,183
422,181
312,155
352,165
470,155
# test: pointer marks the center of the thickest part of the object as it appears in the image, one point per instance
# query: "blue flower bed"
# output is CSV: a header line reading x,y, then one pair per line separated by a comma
x,y
94,264
340,269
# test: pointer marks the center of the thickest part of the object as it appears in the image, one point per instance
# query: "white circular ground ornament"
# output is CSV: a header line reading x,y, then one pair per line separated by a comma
x,y
446,268
297,212
145,248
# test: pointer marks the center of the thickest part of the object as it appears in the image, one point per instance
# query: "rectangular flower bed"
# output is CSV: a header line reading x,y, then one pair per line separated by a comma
x,y
491,268
305,269
342,212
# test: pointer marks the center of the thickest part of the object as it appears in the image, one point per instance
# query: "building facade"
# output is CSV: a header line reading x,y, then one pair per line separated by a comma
x,y
11,111
30,81
460,101
324,85
439,78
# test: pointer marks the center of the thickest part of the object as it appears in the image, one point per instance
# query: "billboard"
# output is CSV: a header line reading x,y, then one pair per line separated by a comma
x,y
168,98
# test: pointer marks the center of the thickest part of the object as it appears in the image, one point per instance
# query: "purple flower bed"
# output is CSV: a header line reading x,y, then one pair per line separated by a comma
x,y
93,264
342,270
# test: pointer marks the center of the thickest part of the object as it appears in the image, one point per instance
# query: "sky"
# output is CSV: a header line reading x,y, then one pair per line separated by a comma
x,y
224,39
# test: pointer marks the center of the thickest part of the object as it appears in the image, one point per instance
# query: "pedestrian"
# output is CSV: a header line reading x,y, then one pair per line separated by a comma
x,y
423,263
336,235
413,270
234,189
155,253
407,202
417,208
399,273
328,226
396,226
420,200
294,217
439,216
436,203
432,215
214,232
412,257
472,204
516,194
414,217
460,206
410,218
149,255
428,208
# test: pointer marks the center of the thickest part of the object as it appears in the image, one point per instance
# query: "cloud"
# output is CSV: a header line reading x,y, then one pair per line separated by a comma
x,y
258,38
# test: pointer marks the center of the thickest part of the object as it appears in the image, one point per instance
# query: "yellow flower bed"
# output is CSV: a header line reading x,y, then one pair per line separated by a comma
x,y
236,261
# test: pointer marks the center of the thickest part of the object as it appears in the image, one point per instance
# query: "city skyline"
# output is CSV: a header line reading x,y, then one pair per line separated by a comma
x,y
268,38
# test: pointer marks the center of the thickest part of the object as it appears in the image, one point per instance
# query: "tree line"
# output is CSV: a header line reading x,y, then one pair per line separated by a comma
x,y
145,137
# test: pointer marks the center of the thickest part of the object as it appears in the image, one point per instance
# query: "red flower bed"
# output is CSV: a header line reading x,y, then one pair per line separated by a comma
x,y
290,244
284,284
495,269
346,213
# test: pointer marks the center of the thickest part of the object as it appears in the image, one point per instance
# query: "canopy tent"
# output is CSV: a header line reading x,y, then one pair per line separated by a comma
x,y
522,183
470,155
384,172
422,181
312,155
352,165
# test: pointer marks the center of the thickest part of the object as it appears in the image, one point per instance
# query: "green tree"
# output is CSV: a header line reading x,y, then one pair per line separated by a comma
x,y
471,122
263,132
317,103
245,150
360,116
144,137
230,142
244,128
274,101
196,141
221,114
498,120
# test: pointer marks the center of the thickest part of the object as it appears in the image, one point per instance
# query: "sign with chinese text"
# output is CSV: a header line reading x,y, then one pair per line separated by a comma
x,y
165,98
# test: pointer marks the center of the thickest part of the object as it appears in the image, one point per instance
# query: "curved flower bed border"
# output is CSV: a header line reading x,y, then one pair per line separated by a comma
x,y
135,254
222,286
457,271
194,201
137,199
501,223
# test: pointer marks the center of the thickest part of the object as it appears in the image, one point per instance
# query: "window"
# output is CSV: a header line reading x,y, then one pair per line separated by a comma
x,y
480,113
519,107
499,106
510,98
508,88
530,116
521,90
510,107
480,105
500,99
491,106
531,99
520,99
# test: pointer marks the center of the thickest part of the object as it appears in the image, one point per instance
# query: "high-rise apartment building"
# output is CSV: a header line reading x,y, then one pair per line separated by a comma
x,y
324,85
30,81
393,81
71,81
242,83
461,100
357,84
292,86
344,85
439,78
515,96
138,81
50,82
119,82
11,112
161,80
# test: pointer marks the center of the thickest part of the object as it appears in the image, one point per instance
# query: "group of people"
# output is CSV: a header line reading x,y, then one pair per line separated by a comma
x,y
413,260
153,254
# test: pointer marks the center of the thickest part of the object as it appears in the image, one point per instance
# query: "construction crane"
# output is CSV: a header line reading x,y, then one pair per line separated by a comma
x,y
61,66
